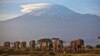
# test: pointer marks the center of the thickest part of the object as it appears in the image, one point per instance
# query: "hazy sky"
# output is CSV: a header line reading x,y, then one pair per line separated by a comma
x,y
12,8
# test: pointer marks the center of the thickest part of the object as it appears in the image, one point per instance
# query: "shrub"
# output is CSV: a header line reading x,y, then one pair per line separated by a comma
x,y
97,46
89,47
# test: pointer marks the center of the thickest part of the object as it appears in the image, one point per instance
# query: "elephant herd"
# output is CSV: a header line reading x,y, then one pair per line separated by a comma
x,y
54,44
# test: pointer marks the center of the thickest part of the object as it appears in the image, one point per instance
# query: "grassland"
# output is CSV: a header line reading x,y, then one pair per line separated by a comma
x,y
60,55
86,52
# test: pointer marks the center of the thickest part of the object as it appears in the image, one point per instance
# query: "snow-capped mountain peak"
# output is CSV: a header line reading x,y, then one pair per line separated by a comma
x,y
46,9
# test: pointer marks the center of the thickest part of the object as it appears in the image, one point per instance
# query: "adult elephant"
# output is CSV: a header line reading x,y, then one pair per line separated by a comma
x,y
6,44
45,44
17,44
73,45
32,44
23,44
77,45
57,44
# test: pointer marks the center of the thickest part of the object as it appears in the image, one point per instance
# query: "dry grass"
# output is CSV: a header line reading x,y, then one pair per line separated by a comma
x,y
63,55
78,55
87,52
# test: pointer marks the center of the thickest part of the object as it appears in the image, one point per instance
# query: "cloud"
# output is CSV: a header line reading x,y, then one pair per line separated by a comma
x,y
30,7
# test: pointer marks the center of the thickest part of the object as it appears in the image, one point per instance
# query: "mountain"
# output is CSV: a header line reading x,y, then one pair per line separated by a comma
x,y
51,21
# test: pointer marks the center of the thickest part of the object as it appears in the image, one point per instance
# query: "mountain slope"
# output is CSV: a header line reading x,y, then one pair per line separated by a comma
x,y
51,21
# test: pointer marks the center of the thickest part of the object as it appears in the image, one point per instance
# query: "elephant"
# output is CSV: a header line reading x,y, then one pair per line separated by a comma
x,y
23,44
57,44
77,45
17,44
6,44
45,44
32,44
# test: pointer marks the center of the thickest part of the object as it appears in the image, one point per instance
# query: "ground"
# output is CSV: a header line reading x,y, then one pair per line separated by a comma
x,y
86,52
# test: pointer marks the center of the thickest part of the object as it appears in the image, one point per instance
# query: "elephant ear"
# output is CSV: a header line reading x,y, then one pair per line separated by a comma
x,y
82,41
